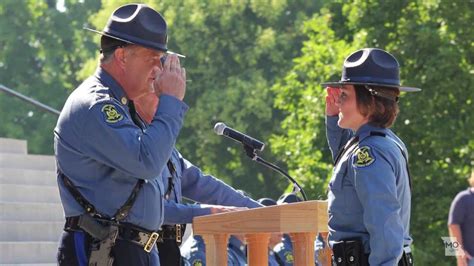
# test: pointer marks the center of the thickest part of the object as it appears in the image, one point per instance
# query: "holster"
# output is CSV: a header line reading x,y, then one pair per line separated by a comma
x,y
406,260
349,252
103,240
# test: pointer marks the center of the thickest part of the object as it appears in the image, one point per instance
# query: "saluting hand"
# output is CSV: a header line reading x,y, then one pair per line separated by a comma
x,y
172,79
332,99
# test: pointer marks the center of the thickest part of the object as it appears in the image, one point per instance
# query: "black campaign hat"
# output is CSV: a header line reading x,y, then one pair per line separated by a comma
x,y
137,24
288,198
371,66
267,201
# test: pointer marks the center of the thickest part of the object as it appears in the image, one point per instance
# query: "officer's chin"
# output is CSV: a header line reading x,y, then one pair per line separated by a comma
x,y
340,121
343,123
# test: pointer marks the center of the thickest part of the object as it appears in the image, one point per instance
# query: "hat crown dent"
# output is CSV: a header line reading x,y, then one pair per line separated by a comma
x,y
122,14
371,65
137,24
357,58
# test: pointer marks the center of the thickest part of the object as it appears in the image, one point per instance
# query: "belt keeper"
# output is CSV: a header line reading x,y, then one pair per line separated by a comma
x,y
151,242
178,234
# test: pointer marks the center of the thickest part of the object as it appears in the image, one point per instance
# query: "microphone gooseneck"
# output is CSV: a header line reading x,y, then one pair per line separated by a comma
x,y
251,146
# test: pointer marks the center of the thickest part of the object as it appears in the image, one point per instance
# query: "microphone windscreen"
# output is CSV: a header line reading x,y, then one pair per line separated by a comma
x,y
219,128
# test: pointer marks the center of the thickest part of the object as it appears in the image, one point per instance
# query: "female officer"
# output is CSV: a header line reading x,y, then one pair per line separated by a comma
x,y
369,194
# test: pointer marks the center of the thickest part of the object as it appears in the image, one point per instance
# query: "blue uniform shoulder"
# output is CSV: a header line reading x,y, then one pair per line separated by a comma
x,y
375,147
89,94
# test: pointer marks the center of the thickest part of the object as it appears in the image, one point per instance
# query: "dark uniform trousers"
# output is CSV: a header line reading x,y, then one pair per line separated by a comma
x,y
169,253
74,250
168,248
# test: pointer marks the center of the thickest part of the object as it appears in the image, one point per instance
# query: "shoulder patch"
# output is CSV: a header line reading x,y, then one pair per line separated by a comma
x,y
197,262
111,115
363,157
289,257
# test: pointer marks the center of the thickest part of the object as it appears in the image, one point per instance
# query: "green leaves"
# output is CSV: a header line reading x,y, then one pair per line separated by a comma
x,y
434,48
258,66
39,57
299,94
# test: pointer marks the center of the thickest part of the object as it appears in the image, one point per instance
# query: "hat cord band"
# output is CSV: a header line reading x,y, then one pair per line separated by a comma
x,y
386,82
381,94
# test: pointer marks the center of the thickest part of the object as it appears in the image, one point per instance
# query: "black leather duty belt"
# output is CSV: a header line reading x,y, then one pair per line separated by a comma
x,y
128,232
172,232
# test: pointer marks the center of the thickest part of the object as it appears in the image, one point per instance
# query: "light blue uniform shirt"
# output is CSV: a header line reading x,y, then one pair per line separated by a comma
x,y
104,153
189,182
369,195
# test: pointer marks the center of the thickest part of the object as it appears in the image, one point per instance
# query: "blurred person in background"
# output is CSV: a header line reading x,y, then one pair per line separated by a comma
x,y
461,224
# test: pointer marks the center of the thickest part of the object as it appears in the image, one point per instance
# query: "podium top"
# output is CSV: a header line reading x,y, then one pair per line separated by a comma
x,y
300,217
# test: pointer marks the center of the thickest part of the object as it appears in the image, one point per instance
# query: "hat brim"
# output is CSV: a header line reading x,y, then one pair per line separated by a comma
x,y
123,40
338,84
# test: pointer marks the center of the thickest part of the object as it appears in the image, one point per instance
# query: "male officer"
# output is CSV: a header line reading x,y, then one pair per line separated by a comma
x,y
108,165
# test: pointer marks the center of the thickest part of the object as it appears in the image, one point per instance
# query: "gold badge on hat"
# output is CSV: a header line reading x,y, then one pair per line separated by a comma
x,y
111,114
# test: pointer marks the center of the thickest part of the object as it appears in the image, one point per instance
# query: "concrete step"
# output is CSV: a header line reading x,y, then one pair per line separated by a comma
x,y
28,252
13,146
30,264
29,193
27,177
31,212
27,161
30,231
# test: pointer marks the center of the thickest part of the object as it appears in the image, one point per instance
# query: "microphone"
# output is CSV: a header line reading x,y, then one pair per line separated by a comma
x,y
221,129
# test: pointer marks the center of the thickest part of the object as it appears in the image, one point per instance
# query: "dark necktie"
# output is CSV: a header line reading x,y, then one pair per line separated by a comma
x,y
135,117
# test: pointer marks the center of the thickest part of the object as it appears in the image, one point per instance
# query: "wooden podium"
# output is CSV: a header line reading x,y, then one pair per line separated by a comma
x,y
302,220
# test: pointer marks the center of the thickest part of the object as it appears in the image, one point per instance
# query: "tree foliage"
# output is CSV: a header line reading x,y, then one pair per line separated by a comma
x,y
41,50
234,52
433,43
257,66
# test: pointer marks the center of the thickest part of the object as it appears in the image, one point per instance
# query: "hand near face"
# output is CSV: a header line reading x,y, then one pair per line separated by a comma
x,y
172,79
332,107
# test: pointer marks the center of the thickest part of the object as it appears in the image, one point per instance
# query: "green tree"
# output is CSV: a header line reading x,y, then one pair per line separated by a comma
x,y
234,51
433,42
302,98
42,49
